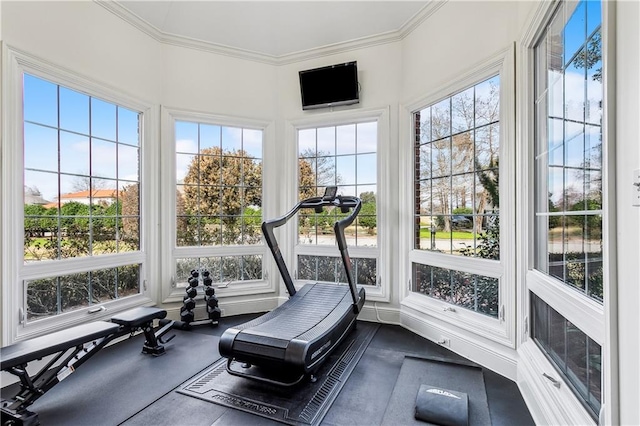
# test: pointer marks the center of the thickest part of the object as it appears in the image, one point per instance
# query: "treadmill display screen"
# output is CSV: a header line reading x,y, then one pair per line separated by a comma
x,y
330,193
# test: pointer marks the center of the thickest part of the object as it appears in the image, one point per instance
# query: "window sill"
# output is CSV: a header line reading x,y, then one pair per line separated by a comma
x,y
481,325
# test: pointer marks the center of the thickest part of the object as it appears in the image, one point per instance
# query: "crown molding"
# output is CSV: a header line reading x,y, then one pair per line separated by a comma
x,y
155,33
423,14
131,18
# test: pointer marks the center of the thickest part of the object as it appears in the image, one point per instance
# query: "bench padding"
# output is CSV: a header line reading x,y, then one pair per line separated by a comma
x,y
23,352
138,317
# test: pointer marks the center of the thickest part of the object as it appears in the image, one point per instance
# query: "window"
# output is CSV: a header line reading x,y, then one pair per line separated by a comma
x,y
76,222
457,153
471,291
456,194
576,356
566,283
345,155
218,204
568,161
81,195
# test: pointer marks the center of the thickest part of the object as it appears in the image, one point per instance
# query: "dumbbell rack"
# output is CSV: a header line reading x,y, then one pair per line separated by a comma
x,y
187,315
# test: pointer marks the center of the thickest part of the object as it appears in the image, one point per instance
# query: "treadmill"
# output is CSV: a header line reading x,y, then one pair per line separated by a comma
x,y
292,341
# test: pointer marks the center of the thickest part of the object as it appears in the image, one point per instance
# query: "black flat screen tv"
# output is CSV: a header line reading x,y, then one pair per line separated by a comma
x,y
330,86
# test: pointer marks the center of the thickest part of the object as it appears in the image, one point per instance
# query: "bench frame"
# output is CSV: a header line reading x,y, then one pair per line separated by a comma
x,y
85,341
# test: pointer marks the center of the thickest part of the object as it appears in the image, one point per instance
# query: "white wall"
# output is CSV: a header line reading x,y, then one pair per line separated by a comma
x,y
449,44
217,84
459,35
628,217
86,38
379,76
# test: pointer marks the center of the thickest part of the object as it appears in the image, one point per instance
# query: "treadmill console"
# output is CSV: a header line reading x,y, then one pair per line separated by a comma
x,y
330,193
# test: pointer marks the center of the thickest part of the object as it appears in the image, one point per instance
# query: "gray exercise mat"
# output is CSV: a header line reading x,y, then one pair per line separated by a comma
x,y
119,381
436,372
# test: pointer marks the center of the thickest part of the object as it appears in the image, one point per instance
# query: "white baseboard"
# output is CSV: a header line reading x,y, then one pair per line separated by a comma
x,y
231,307
384,314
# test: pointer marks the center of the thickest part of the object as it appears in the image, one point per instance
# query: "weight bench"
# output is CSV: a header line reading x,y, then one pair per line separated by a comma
x,y
70,349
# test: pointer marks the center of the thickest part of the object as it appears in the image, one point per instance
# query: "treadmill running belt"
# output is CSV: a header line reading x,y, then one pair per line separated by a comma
x,y
301,314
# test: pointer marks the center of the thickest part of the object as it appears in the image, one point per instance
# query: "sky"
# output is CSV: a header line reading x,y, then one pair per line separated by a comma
x,y
86,144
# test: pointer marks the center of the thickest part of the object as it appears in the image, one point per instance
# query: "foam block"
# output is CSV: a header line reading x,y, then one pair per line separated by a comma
x,y
442,406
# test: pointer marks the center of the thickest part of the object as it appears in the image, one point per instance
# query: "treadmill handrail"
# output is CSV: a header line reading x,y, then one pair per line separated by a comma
x,y
344,203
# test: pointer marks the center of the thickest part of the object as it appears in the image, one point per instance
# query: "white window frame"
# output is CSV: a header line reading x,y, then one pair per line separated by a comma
x,y
501,330
548,403
381,291
15,63
171,292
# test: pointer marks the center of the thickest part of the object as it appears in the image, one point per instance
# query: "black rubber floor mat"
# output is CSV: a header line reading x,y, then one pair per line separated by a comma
x,y
302,404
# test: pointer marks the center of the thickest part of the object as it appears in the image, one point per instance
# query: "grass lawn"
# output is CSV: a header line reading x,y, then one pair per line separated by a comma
x,y
441,235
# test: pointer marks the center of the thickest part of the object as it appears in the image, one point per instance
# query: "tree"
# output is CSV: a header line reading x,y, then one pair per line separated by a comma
x,y
319,169
592,56
32,220
130,202
219,186
367,216
368,197
306,179
448,149
86,183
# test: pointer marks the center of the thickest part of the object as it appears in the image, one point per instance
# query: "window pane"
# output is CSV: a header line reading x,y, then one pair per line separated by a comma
x,y
307,143
128,126
252,143
40,99
487,102
103,119
331,269
75,178
231,139
574,30
53,296
462,111
74,154
186,137
569,155
470,291
576,356
346,139
219,188
354,170
441,119
209,136
74,111
423,126
462,152
103,158
326,141
40,148
367,169
441,157
346,169
367,137
128,163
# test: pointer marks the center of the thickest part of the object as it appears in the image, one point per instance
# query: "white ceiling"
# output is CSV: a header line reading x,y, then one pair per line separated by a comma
x,y
275,28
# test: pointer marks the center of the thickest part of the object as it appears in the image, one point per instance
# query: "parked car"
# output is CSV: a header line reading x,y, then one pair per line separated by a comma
x,y
459,221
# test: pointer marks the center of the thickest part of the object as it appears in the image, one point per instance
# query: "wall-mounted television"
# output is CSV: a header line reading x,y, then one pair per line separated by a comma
x,y
330,86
